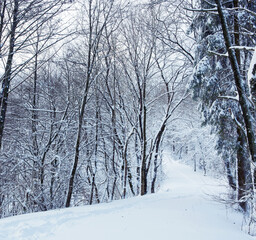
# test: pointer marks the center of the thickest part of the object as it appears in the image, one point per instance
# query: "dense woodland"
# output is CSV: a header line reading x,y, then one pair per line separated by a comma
x,y
93,91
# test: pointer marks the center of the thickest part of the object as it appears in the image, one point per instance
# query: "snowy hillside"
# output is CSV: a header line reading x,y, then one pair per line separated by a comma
x,y
183,209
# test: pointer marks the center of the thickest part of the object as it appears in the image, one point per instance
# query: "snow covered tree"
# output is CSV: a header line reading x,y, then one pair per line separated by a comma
x,y
224,96
28,30
19,21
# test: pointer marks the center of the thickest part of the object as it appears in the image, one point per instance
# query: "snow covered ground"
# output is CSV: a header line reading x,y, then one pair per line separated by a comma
x,y
183,209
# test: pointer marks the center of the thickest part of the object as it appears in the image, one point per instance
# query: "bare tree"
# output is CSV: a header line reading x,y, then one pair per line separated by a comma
x,y
17,34
98,16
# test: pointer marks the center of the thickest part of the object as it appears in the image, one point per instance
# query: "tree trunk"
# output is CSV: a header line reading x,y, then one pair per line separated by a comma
x,y
2,12
243,165
138,158
243,172
144,155
156,164
8,71
127,171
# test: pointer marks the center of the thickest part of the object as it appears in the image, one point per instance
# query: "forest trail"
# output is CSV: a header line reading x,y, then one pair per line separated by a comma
x,y
183,209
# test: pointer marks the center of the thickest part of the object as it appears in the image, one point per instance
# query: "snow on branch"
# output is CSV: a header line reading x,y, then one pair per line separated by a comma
x,y
238,124
214,9
252,68
241,8
251,77
229,98
243,48
202,9
219,54
247,48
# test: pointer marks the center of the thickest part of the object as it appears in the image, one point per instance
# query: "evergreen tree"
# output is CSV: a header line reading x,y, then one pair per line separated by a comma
x,y
214,83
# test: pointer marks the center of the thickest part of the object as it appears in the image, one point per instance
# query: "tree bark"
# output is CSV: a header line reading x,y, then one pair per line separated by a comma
x,y
245,185
157,147
144,153
2,12
243,165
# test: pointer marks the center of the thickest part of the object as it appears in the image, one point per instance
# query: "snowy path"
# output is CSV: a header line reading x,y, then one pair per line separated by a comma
x,y
182,210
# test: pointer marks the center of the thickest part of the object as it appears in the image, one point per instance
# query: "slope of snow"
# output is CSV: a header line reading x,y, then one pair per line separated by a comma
x,y
182,210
